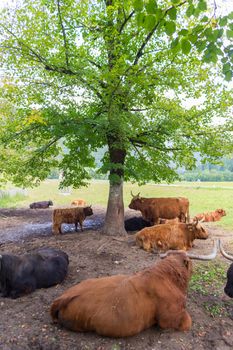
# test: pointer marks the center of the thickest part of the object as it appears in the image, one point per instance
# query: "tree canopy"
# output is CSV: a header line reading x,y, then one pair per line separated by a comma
x,y
88,74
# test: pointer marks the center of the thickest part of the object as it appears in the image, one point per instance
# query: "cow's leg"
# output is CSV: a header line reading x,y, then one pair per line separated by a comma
x,y
185,322
81,225
174,316
56,229
76,226
145,244
182,217
22,287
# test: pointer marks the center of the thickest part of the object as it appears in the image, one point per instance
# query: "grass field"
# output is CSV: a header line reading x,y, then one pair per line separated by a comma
x,y
205,196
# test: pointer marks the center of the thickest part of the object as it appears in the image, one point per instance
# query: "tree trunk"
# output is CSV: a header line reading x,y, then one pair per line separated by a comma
x,y
114,220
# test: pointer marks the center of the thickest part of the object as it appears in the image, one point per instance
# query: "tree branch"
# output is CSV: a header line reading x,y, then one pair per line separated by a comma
x,y
148,37
125,21
63,33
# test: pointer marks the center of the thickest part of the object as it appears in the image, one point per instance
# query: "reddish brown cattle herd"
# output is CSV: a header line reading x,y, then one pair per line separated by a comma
x,y
124,305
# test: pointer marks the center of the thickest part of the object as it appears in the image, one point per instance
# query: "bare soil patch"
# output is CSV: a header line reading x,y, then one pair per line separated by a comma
x,y
26,324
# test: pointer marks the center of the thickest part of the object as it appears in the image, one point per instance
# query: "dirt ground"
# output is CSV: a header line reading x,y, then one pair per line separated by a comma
x,y
26,324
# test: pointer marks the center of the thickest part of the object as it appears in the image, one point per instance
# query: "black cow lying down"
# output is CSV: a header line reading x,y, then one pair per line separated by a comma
x,y
41,205
136,223
43,268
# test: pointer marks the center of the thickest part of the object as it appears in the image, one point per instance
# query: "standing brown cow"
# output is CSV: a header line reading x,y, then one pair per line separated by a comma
x,y
153,209
73,215
122,305
170,236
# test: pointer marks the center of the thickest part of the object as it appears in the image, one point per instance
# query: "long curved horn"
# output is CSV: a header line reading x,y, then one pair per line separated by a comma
x,y
137,195
211,256
222,251
194,256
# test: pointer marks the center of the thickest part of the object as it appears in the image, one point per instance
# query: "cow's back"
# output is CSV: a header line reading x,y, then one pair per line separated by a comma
x,y
168,208
164,237
109,306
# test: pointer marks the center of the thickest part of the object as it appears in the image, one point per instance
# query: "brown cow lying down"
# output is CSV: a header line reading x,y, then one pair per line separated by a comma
x,y
70,216
170,236
79,202
23,274
41,205
122,305
211,216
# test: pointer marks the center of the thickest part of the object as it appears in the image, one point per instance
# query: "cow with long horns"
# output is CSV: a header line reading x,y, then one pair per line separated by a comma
x,y
153,209
170,236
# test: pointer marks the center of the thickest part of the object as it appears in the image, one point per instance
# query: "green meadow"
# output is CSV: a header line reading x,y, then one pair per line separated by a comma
x,y
205,196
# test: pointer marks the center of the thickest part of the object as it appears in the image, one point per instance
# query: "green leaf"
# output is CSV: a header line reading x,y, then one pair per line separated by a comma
x,y
202,6
228,75
172,13
219,33
209,34
185,46
205,19
159,14
200,45
193,38
231,26
174,43
138,5
140,18
150,22
223,21
226,67
190,10
170,28
151,7
183,32
230,15
210,57
229,34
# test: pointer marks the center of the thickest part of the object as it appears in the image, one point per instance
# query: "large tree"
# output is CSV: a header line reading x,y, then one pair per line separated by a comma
x,y
81,75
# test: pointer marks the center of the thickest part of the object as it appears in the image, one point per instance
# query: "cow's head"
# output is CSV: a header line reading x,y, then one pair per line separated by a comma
x,y
221,212
198,229
88,211
135,202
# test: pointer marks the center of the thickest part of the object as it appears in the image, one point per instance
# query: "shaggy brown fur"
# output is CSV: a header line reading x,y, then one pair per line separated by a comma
x,y
170,236
70,216
169,221
121,305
